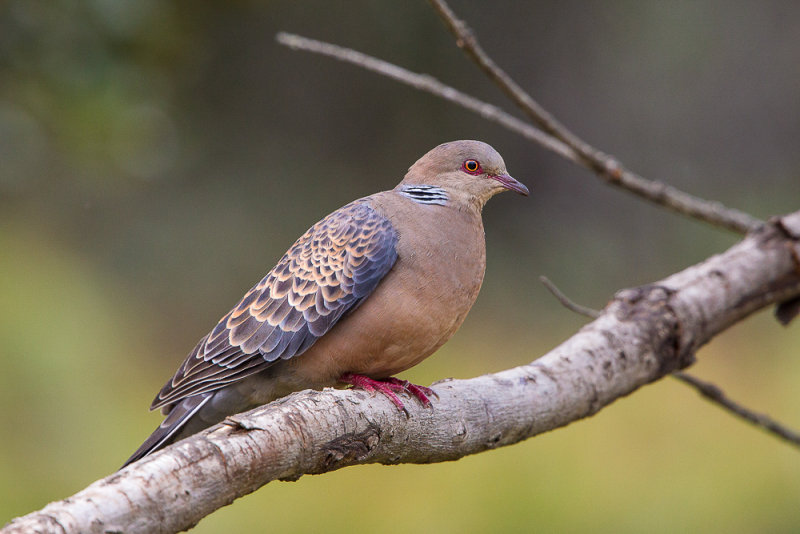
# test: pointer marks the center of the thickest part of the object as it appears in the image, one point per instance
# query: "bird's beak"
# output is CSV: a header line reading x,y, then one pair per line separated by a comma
x,y
511,183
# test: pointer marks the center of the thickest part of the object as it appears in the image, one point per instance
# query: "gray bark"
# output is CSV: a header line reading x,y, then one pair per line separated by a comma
x,y
644,334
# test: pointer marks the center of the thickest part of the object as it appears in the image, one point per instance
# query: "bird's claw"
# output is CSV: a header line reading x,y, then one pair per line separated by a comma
x,y
420,392
390,387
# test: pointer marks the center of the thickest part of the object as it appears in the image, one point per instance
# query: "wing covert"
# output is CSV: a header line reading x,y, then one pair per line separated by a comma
x,y
336,264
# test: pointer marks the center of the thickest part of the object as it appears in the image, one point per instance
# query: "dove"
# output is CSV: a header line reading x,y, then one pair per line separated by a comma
x,y
366,293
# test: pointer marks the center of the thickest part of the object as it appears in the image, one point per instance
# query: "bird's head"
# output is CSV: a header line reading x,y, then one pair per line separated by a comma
x,y
468,170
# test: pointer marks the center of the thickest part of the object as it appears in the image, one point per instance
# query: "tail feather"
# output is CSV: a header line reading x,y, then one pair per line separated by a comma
x,y
167,430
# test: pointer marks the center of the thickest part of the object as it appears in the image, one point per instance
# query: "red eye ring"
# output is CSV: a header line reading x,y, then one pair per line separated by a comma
x,y
471,166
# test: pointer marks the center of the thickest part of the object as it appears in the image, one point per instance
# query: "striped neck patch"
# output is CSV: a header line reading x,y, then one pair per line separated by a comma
x,y
425,194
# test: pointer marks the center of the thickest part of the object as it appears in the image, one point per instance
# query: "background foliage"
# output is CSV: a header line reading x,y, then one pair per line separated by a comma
x,y
156,158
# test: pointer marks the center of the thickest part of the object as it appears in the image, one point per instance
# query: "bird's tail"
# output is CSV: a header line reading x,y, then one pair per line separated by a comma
x,y
175,421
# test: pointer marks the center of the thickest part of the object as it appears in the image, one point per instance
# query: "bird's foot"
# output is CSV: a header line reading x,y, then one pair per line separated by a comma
x,y
390,387
420,392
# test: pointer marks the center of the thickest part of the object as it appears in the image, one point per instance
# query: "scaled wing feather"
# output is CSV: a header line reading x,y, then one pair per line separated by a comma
x,y
327,272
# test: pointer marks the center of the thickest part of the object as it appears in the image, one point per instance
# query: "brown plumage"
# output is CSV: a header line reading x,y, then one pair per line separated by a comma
x,y
368,292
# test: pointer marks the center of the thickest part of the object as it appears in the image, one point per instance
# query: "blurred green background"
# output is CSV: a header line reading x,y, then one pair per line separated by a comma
x,y
156,158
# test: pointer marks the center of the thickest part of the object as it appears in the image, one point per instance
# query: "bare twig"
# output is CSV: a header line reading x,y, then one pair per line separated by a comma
x,y
566,302
466,40
605,166
429,84
708,390
716,395
657,192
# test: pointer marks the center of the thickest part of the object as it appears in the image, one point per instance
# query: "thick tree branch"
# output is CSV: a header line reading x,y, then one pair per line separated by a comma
x,y
644,334
708,390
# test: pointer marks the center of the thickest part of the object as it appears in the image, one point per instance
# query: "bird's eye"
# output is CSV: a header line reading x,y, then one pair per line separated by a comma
x,y
472,166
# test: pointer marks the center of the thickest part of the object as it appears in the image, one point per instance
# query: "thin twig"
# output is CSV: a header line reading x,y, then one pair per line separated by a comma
x,y
605,166
466,40
566,302
424,82
716,395
706,389
657,192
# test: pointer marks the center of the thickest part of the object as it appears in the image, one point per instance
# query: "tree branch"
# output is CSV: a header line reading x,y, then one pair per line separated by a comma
x,y
708,390
606,167
467,41
716,395
428,84
643,335
603,165
567,302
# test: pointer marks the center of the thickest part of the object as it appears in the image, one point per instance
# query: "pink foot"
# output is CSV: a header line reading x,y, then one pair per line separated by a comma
x,y
389,387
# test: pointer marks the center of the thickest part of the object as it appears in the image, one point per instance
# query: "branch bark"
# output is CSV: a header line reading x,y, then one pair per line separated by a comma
x,y
644,334
708,390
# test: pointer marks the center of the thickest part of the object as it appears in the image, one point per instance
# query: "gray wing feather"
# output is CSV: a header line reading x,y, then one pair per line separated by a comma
x,y
336,264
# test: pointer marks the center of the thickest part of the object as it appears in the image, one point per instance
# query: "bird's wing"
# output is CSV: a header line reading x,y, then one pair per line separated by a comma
x,y
334,266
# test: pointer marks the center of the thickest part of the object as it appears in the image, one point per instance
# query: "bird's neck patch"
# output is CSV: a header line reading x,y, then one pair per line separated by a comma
x,y
425,194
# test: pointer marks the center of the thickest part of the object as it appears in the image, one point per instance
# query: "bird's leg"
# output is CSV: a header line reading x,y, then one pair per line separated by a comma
x,y
389,387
